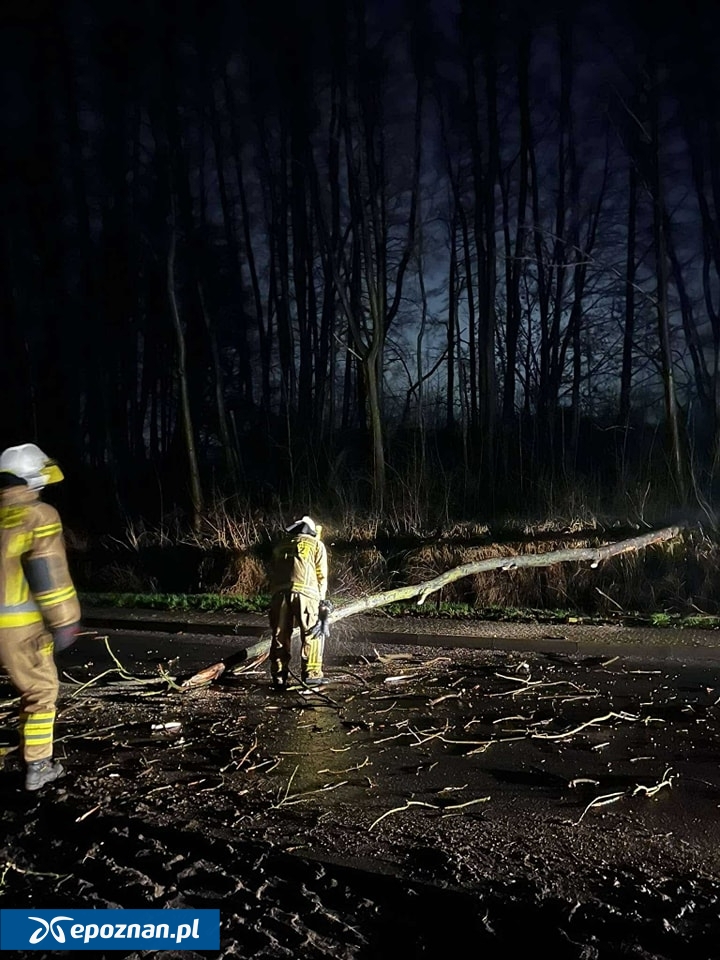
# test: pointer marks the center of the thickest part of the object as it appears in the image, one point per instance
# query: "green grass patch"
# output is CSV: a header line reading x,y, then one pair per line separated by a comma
x,y
208,602
685,621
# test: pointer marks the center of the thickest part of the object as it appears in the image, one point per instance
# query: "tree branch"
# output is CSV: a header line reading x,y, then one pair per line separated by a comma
x,y
423,590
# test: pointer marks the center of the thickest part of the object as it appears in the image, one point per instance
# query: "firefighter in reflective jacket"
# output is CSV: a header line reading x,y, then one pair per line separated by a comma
x,y
298,584
39,608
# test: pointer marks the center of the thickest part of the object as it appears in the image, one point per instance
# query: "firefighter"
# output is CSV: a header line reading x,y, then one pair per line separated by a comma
x,y
298,579
39,608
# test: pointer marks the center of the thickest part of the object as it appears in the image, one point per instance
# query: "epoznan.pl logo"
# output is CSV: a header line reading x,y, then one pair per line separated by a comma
x,y
51,927
110,929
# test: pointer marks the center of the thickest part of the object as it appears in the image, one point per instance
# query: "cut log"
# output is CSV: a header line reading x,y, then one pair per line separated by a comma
x,y
257,652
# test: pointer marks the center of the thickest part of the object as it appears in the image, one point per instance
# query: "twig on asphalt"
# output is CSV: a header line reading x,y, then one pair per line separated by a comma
x,y
238,763
301,797
95,735
482,747
563,699
588,723
69,678
127,677
93,680
396,736
289,784
10,865
357,766
461,806
408,804
517,716
531,685
428,734
247,753
431,806
165,786
666,781
258,766
445,696
603,801
608,798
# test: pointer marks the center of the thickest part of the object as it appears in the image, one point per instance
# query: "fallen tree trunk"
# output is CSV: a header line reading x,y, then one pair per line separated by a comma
x,y
257,652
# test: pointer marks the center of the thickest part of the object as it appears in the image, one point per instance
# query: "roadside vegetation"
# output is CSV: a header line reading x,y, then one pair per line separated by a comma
x,y
223,567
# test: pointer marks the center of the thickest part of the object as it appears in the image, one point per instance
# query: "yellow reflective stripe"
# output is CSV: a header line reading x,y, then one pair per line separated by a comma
x,y
20,619
315,649
38,737
16,589
8,522
37,728
18,544
12,517
51,598
47,530
306,590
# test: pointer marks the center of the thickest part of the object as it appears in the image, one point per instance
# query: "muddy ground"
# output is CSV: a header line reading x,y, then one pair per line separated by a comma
x,y
428,801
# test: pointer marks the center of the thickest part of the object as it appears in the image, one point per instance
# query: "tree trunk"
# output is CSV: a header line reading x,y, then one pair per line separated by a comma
x,y
672,419
196,496
595,555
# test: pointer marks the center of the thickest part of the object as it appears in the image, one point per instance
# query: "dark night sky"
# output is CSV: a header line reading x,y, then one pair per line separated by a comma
x,y
280,145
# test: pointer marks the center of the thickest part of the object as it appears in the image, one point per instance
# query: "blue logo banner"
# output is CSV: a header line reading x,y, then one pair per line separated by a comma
x,y
109,929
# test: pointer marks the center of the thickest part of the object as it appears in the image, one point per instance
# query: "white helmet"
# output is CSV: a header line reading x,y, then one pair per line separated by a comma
x,y
305,521
29,463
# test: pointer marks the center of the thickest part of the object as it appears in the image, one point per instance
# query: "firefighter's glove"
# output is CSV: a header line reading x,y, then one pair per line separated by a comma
x,y
321,629
65,637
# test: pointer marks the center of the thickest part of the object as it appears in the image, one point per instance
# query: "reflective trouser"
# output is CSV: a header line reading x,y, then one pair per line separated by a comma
x,y
26,653
288,610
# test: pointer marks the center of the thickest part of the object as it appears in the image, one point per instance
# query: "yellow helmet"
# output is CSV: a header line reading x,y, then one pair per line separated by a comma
x,y
29,463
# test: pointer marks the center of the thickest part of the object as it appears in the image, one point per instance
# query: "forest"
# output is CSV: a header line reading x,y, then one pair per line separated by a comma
x,y
438,258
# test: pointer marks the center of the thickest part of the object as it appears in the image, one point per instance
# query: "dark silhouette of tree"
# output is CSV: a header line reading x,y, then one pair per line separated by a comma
x,y
477,244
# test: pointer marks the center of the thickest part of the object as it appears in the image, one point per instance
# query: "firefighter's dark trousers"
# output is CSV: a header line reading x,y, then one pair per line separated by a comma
x,y
288,610
26,653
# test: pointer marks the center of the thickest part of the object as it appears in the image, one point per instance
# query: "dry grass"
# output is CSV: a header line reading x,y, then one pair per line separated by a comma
x,y
673,577
523,587
122,578
246,575
232,552
358,571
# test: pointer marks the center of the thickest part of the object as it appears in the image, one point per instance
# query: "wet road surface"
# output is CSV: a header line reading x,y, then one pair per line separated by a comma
x,y
429,795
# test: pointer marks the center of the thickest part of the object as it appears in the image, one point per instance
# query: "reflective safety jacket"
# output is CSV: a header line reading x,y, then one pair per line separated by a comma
x,y
35,584
300,565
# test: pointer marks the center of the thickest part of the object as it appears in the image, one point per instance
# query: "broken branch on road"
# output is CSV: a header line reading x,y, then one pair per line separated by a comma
x,y
257,652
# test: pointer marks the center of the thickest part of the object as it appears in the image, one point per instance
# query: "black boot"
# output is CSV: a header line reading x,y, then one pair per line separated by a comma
x,y
40,772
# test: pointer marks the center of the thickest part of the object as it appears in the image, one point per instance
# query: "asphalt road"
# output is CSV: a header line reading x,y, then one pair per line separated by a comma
x,y
440,790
